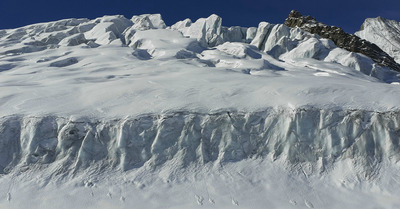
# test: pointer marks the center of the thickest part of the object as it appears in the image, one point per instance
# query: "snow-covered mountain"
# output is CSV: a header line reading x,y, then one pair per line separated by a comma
x,y
122,113
342,39
384,33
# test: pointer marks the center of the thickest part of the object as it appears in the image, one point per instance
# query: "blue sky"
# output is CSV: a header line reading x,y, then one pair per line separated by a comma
x,y
348,14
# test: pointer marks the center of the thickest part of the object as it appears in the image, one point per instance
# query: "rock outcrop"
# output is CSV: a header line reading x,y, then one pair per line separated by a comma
x,y
342,39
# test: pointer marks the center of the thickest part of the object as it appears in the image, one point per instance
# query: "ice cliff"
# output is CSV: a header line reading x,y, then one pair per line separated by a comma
x,y
318,137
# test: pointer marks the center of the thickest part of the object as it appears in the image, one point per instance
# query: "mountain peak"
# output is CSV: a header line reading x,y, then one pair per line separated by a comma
x,y
295,13
342,39
384,33
381,19
297,19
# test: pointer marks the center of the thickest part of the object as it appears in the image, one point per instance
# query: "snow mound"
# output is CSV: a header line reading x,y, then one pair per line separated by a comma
x,y
164,43
240,50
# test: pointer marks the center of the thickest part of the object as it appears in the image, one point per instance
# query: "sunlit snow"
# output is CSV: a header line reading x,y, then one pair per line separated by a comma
x,y
131,113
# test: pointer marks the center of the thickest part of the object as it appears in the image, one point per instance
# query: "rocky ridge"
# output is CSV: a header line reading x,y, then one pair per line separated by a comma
x,y
342,39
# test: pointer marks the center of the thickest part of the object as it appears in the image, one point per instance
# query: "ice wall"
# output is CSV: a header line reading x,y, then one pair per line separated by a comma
x,y
318,137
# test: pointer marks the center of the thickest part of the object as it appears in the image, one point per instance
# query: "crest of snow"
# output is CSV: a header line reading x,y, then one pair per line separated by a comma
x,y
384,33
108,29
182,25
163,43
148,21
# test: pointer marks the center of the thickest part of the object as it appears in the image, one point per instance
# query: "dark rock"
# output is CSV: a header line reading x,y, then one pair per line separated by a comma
x,y
342,39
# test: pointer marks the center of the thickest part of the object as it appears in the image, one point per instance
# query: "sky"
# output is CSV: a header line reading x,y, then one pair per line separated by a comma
x,y
347,14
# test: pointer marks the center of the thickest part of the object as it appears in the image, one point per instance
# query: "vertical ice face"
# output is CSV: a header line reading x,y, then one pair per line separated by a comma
x,y
234,34
108,29
303,135
251,34
148,21
210,32
206,30
262,33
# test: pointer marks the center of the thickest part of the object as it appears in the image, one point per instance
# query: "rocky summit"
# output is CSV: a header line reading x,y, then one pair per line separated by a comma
x,y
342,39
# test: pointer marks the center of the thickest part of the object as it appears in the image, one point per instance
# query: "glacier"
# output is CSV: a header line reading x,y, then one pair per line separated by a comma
x,y
310,135
121,113
348,148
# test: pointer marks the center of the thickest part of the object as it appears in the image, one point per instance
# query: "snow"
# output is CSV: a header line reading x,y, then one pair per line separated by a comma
x,y
384,33
116,113
276,157
227,187
131,86
263,31
148,21
206,30
73,40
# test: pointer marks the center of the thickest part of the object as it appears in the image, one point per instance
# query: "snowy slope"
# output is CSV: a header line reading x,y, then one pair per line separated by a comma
x,y
117,113
84,68
384,33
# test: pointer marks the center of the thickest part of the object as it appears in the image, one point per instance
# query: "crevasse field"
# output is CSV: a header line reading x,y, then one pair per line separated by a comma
x,y
129,113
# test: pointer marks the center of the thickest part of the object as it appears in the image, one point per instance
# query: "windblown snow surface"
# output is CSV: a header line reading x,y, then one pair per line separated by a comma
x,y
130,113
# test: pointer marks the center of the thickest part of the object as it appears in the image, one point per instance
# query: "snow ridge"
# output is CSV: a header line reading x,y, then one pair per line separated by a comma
x,y
384,33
